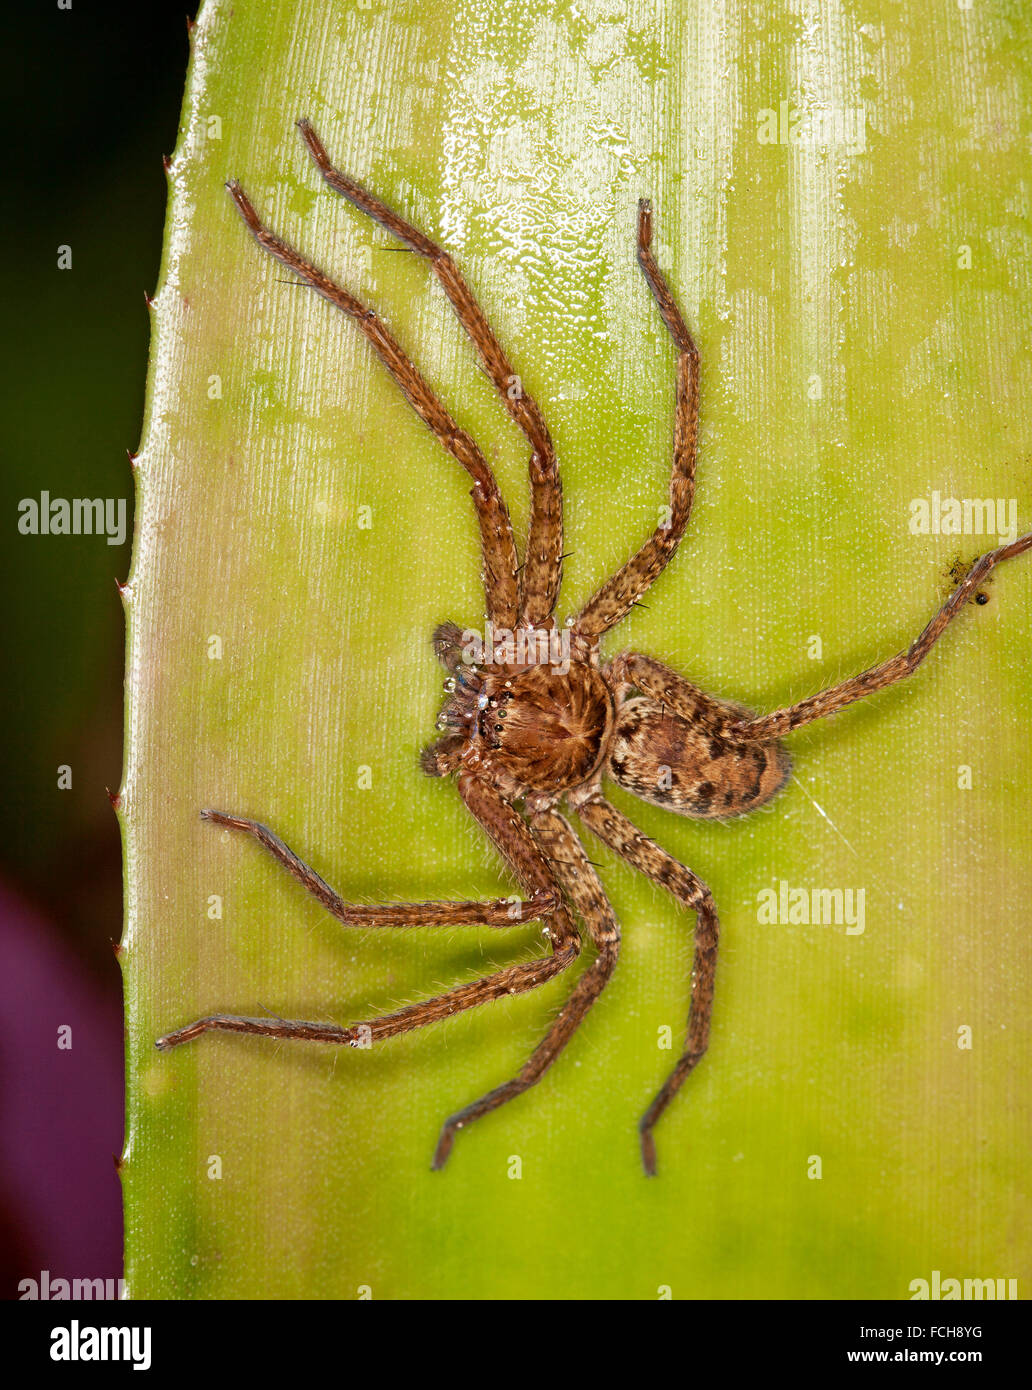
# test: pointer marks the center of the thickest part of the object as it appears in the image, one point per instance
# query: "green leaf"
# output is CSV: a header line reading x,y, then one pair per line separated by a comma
x,y
855,358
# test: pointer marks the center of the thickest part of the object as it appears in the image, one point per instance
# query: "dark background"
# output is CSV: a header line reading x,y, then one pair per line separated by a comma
x,y
91,101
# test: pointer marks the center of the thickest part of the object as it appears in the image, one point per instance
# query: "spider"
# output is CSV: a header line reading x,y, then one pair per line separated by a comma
x,y
526,733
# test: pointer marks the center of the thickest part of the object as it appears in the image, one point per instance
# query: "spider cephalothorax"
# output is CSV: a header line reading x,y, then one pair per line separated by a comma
x,y
525,733
542,726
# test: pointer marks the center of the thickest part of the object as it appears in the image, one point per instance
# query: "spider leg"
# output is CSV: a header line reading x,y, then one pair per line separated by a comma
x,y
670,689
499,548
448,646
616,831
556,837
499,912
514,979
519,847
770,726
542,573
620,593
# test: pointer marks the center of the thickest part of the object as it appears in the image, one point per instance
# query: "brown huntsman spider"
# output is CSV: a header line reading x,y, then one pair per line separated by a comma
x,y
526,732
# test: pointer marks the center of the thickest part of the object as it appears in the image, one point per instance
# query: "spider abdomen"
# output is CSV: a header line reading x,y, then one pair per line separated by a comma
x,y
690,767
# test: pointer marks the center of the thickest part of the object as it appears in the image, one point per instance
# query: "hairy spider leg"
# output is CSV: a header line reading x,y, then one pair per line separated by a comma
x,y
499,547
771,726
498,912
566,855
619,594
517,844
542,570
620,835
633,670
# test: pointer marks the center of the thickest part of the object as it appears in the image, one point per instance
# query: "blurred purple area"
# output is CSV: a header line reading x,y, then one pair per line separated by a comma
x,y
61,1108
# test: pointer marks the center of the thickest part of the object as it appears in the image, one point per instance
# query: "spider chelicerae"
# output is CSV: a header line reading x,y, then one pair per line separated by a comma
x,y
526,732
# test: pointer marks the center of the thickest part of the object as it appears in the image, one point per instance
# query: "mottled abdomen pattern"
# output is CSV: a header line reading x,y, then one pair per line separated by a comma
x,y
693,768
